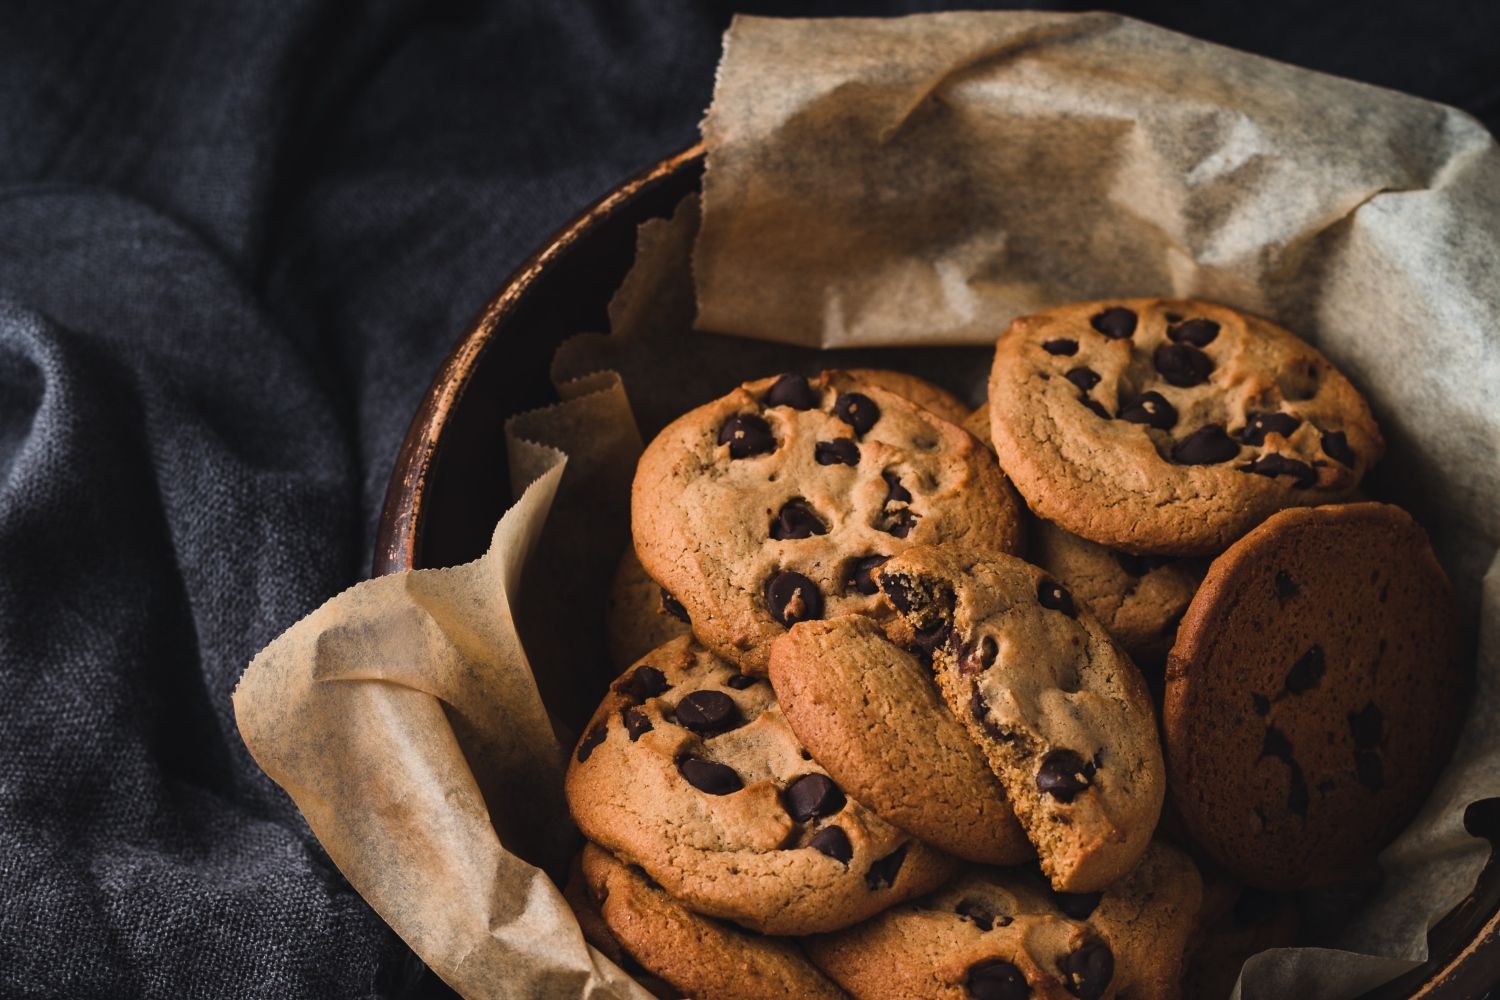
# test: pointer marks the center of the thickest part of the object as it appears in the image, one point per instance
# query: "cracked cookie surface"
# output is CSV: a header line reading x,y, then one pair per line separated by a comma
x,y
770,505
1313,695
689,769
699,956
1061,714
1171,426
1002,933
868,711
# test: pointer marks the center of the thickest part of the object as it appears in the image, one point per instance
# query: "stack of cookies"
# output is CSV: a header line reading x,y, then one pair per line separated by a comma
x,y
891,671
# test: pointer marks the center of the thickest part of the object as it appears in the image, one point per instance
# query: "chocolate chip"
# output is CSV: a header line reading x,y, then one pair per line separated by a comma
x,y
1077,905
793,391
931,637
739,682
1198,332
1095,407
1262,704
643,682
1208,445
1054,597
1369,769
996,979
1296,796
1063,775
978,913
860,574
1336,447
797,520
857,410
980,710
1272,466
894,491
1367,726
812,795
1307,671
709,776
746,435
833,842
1276,745
882,874
1286,587
708,712
792,598
1062,345
979,657
1087,971
1116,322
900,523
1258,425
1140,565
898,591
590,740
839,451
1152,409
636,723
673,607
1182,365
1084,378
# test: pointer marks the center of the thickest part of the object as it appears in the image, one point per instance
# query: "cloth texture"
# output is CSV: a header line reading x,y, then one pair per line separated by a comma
x,y
236,239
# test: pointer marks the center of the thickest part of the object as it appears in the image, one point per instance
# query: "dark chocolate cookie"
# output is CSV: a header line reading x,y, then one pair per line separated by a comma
x,y
1313,695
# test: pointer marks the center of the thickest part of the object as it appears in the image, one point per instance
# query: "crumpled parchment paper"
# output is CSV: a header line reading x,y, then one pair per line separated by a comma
x,y
901,184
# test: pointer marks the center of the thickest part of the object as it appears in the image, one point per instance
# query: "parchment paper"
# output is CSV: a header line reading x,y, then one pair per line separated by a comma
x,y
901,183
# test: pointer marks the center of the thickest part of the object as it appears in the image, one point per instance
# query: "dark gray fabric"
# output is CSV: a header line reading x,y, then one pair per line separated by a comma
x,y
235,240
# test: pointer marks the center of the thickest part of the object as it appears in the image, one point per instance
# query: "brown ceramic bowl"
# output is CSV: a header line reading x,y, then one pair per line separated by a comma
x,y
449,486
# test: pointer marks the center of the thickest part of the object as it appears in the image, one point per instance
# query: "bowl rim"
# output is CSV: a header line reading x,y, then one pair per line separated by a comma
x,y
1470,971
402,513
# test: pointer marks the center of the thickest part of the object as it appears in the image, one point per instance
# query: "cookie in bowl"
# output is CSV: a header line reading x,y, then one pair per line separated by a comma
x,y
689,769
1060,713
771,505
1313,695
1171,426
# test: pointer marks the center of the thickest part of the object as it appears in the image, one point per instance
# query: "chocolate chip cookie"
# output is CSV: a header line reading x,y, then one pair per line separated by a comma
x,y
1171,426
997,934
1313,695
929,396
689,769
597,933
867,710
1138,599
699,956
640,614
770,505
1060,713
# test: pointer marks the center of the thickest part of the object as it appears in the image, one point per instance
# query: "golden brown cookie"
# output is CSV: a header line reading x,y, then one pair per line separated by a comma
x,y
769,506
1171,426
868,711
699,956
689,769
1314,694
996,934
1060,713
640,615
1138,599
